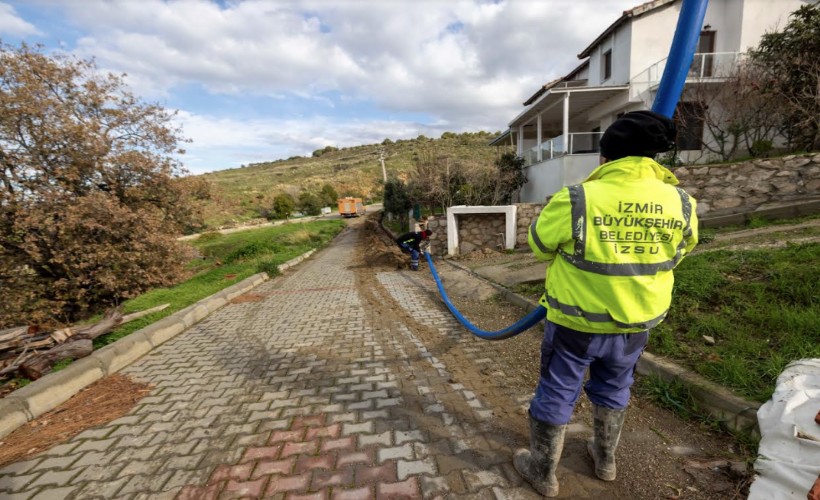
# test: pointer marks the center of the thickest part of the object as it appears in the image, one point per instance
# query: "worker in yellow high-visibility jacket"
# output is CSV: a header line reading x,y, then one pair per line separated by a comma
x,y
612,243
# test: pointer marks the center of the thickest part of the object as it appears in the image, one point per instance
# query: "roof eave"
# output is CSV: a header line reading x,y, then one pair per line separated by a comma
x,y
628,14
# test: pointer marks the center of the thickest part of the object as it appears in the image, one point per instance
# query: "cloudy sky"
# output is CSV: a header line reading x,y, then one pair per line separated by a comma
x,y
258,80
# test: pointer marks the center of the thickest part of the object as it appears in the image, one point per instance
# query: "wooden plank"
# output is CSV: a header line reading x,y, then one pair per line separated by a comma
x,y
13,333
62,335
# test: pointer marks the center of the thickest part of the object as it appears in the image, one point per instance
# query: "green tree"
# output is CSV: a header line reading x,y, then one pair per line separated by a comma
x,y
283,206
310,203
91,203
789,60
511,177
326,149
396,198
328,195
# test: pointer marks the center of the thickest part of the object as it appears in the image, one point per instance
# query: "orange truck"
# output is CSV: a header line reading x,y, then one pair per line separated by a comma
x,y
351,207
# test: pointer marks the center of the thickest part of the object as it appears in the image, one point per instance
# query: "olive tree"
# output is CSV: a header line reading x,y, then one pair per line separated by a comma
x,y
91,200
791,75
283,206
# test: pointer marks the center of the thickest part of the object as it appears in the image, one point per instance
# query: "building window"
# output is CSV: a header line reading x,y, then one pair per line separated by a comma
x,y
689,120
606,65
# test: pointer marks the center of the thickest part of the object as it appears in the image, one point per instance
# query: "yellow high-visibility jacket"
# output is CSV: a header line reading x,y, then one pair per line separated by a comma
x,y
613,241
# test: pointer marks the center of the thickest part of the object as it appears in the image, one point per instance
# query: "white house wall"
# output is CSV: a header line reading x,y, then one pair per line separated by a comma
x,y
545,179
755,17
723,18
618,42
759,17
652,36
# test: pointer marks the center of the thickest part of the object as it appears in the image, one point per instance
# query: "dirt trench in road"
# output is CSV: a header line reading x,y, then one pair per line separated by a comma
x,y
660,455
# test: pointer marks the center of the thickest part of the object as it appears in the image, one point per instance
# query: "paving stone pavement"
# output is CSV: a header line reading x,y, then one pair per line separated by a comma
x,y
306,394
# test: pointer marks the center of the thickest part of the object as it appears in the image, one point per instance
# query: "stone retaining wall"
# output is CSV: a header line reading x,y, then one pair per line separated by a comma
x,y
438,240
721,190
748,186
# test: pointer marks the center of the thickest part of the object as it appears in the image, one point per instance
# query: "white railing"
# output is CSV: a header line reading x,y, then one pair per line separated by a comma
x,y
714,65
579,143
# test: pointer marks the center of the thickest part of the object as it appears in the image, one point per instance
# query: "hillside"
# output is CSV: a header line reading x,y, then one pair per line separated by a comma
x,y
241,194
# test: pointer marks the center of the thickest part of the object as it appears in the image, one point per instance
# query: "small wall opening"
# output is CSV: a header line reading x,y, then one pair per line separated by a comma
x,y
475,227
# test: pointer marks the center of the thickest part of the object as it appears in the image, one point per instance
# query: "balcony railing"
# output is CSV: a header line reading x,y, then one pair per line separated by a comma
x,y
579,143
714,65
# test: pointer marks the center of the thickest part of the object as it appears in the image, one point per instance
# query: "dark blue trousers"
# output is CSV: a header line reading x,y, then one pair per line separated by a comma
x,y
565,356
414,255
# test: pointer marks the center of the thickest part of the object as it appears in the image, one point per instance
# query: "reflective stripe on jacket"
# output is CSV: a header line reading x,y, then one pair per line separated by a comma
x,y
411,239
613,241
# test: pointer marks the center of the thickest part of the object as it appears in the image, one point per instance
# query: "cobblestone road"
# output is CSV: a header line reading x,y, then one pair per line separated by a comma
x,y
310,393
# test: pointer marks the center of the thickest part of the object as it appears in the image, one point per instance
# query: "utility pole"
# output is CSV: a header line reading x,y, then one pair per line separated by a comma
x,y
381,159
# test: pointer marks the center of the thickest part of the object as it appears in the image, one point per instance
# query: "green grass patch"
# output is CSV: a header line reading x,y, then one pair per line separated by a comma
x,y
676,396
227,260
762,308
755,222
61,364
529,289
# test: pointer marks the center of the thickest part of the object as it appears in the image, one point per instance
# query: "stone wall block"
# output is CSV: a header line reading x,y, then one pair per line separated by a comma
x,y
797,163
727,202
813,186
787,187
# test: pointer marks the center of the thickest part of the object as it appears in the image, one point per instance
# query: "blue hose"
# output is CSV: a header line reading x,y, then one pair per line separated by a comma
x,y
522,325
680,57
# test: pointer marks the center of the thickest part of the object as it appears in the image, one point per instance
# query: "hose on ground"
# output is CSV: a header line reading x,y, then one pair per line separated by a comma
x,y
525,323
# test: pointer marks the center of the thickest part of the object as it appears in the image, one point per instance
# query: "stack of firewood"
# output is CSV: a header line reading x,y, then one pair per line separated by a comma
x,y
30,353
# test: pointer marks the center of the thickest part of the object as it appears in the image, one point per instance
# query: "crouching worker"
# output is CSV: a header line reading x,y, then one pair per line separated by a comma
x,y
612,243
410,243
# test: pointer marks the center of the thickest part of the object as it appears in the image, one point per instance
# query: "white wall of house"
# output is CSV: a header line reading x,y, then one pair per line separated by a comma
x,y
740,23
761,16
582,74
652,35
545,179
618,43
604,114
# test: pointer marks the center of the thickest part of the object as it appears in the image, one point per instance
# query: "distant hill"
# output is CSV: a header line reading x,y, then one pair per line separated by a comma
x,y
241,194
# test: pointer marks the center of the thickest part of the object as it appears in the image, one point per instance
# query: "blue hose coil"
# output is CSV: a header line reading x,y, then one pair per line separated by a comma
x,y
525,323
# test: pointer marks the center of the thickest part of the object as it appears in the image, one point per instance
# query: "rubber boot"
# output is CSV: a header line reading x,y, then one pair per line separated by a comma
x,y
607,431
537,465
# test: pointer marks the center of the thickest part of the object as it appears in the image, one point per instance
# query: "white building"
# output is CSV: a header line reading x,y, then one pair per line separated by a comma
x,y
558,131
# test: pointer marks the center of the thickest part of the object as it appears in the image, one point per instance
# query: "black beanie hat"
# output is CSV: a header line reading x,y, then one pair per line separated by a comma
x,y
639,133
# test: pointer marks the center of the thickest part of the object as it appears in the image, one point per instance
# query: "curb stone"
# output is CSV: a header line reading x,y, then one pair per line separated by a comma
x,y
736,413
50,391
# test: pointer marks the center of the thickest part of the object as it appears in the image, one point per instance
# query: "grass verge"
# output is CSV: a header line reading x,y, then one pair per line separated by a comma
x,y
676,397
227,259
760,307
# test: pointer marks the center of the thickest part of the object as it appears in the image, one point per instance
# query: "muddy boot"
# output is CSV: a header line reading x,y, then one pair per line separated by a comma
x,y
537,465
607,426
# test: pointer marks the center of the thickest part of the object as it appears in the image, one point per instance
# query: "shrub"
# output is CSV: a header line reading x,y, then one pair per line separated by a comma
x,y
268,266
283,207
248,251
210,236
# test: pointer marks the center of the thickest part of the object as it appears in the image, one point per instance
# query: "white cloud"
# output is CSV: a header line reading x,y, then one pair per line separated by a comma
x,y
12,25
460,64
373,50
219,143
